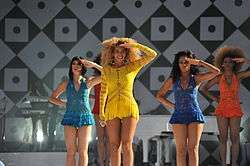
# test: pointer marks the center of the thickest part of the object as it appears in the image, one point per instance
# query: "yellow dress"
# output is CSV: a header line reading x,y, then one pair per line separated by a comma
x,y
116,96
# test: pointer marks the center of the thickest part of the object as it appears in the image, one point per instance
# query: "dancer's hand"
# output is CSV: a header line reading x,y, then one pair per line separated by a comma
x,y
192,61
88,63
240,60
102,123
128,45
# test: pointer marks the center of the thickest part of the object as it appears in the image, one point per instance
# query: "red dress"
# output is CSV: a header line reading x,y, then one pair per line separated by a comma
x,y
96,107
229,105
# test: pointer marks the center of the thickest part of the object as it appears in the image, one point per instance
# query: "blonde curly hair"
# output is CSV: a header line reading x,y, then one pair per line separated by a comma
x,y
109,46
228,52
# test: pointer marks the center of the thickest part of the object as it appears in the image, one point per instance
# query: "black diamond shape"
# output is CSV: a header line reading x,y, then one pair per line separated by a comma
x,y
114,1
50,32
162,11
211,146
212,11
245,28
210,161
65,1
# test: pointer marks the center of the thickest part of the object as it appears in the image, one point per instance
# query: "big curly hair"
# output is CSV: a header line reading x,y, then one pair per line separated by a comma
x,y
228,52
109,45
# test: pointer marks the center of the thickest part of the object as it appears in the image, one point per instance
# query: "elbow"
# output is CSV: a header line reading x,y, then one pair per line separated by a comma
x,y
158,97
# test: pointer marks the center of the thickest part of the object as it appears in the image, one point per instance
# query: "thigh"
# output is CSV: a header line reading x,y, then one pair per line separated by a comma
x,y
114,130
194,134
180,135
70,135
223,124
84,136
129,125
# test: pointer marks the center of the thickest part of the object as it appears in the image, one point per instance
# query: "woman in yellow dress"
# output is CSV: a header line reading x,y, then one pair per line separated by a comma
x,y
121,63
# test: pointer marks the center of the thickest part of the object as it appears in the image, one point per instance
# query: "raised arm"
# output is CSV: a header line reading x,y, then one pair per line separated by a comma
x,y
212,70
160,96
242,74
205,88
54,98
150,54
90,64
92,81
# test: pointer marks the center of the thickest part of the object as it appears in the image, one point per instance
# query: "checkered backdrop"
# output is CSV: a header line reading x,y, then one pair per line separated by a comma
x,y
39,37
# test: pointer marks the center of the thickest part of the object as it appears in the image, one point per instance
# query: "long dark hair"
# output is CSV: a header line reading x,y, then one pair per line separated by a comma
x,y
76,58
176,71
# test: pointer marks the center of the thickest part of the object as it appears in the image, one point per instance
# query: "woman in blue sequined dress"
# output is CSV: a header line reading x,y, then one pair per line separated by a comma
x,y
78,117
187,120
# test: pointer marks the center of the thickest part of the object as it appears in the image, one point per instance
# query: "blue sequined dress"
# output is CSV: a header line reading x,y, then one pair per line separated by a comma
x,y
78,112
187,108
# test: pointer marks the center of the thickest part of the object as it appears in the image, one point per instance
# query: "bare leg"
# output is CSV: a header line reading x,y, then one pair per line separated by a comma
x,y
194,136
223,124
235,138
102,140
70,134
114,134
84,134
180,136
128,131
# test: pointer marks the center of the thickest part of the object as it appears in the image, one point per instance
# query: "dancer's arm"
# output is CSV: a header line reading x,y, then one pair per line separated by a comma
x,y
212,70
160,96
90,64
208,85
242,74
92,81
54,98
150,54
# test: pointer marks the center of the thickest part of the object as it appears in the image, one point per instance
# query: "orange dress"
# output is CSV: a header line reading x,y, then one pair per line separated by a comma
x,y
229,104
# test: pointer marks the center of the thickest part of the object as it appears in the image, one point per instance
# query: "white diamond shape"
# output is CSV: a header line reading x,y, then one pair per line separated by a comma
x,y
41,44
5,7
183,42
187,15
138,15
147,103
41,17
89,43
6,54
236,14
89,16
139,37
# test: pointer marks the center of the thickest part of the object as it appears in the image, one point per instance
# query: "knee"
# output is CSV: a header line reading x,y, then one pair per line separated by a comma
x,y
71,152
223,139
114,147
127,146
235,138
193,149
181,151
